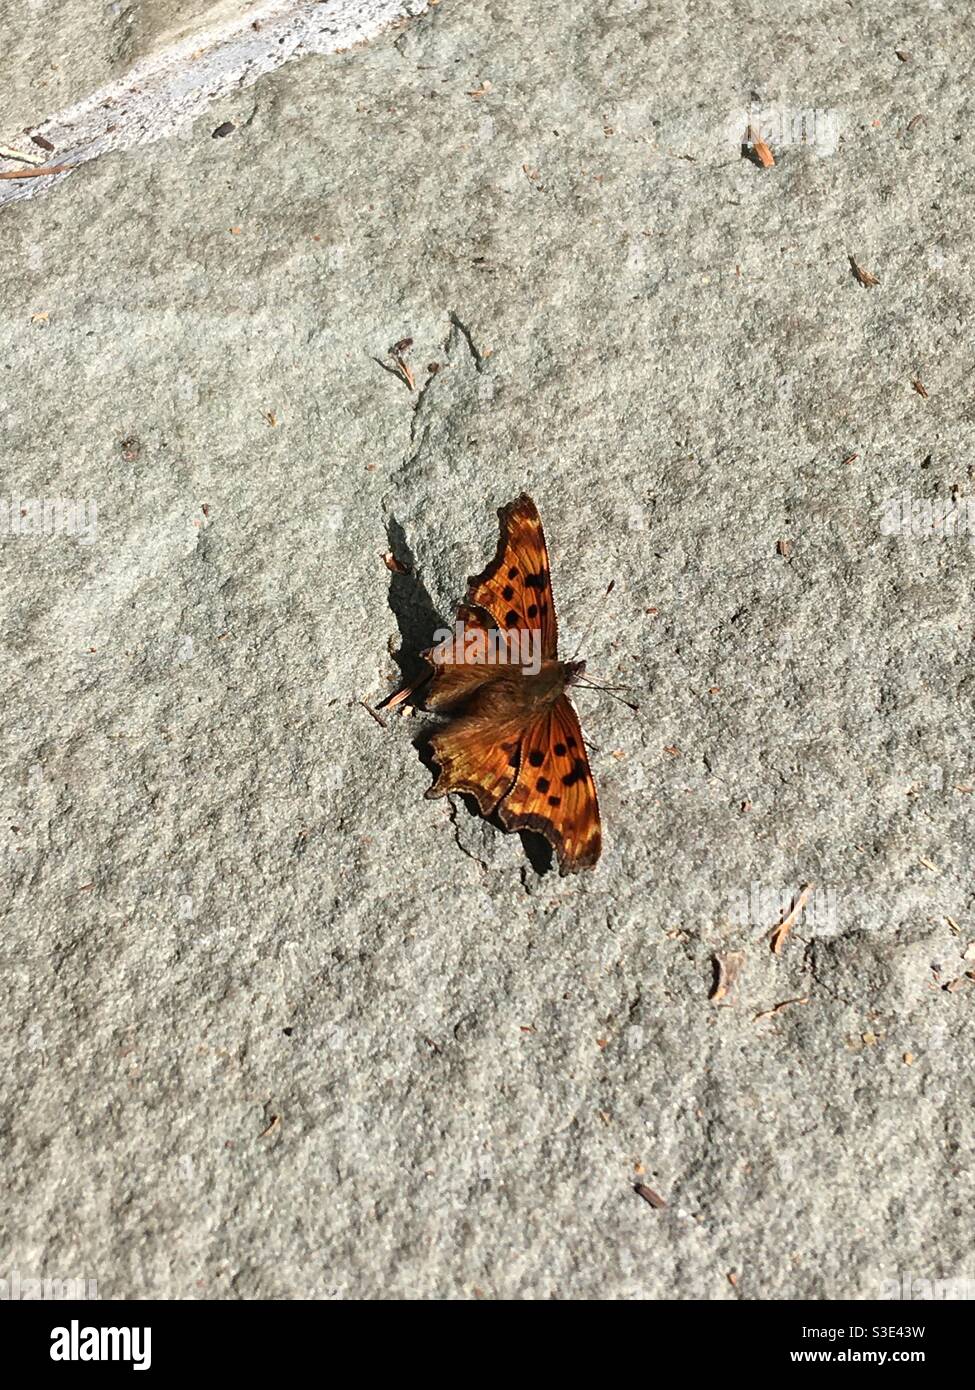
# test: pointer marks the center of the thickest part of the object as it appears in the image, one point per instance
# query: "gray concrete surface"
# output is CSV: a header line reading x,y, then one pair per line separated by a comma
x,y
175,64
279,1026
56,51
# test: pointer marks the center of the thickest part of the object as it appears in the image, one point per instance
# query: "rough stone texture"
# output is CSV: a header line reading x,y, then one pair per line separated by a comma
x,y
55,51
179,78
226,897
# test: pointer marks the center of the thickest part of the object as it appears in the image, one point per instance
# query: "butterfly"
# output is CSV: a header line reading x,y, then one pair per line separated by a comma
x,y
513,740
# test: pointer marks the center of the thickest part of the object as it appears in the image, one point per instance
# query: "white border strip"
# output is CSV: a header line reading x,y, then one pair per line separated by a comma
x,y
162,94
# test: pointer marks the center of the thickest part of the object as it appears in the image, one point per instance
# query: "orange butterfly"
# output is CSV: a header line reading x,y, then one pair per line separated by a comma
x,y
513,740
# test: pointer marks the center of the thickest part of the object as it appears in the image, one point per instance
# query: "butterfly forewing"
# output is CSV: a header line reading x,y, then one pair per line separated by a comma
x,y
456,681
516,587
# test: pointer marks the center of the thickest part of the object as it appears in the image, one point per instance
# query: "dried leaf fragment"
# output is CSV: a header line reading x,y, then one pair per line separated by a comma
x,y
780,1008
396,566
761,151
864,276
647,1193
781,932
920,388
727,968
401,367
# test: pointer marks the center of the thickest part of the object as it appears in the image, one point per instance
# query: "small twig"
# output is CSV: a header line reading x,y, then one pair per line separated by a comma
x,y
369,710
24,156
647,1193
783,929
35,173
863,276
397,370
397,353
778,1008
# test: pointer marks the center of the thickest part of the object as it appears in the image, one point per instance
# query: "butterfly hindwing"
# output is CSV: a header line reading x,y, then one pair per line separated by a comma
x,y
476,754
516,587
554,792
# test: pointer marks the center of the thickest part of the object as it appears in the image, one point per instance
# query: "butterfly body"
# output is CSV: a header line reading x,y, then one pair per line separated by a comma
x,y
552,680
513,739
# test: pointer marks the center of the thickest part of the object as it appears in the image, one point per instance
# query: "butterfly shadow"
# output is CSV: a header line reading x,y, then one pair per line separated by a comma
x,y
418,621
537,849
412,607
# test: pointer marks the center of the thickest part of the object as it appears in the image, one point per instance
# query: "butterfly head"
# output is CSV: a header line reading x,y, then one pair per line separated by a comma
x,y
545,686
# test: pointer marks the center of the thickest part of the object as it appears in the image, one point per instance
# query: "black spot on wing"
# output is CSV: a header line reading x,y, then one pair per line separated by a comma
x,y
542,784
536,757
576,775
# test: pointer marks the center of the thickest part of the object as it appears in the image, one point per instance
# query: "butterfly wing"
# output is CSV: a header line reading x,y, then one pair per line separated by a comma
x,y
455,681
554,792
516,587
477,752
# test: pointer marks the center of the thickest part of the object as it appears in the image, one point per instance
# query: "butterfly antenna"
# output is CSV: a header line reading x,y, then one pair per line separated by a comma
x,y
581,680
610,690
592,621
